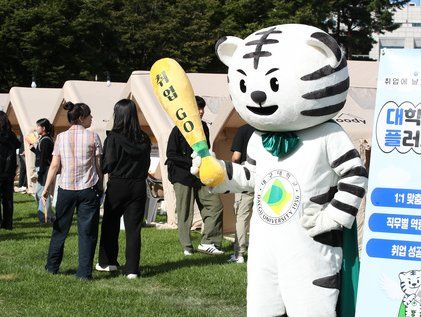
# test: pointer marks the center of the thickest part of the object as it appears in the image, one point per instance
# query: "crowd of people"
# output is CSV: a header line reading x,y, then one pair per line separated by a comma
x,y
78,161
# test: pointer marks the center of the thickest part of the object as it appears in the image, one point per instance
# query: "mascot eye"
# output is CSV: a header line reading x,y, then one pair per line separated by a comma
x,y
274,84
243,87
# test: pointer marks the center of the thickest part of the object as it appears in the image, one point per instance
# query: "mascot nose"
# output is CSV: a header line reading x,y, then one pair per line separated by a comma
x,y
258,96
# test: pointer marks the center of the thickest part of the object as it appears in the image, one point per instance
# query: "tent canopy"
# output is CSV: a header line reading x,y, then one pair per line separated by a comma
x,y
97,95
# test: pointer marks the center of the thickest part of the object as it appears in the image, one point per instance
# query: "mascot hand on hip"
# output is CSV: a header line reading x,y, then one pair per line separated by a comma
x,y
289,81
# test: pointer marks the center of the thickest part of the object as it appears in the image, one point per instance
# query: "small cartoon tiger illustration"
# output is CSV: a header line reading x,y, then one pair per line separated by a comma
x,y
410,286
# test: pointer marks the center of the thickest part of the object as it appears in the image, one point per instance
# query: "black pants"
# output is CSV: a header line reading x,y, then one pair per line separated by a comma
x,y
86,203
6,208
124,197
23,181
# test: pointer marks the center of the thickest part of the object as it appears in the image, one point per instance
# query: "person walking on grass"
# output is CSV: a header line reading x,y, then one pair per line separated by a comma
x,y
189,189
77,152
43,150
243,203
126,160
8,145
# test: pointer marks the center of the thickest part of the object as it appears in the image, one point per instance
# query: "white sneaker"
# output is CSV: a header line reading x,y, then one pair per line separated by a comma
x,y
187,253
239,259
21,189
132,276
209,249
108,268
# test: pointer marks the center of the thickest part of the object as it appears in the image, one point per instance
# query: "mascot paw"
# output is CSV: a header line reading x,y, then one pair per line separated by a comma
x,y
318,223
196,161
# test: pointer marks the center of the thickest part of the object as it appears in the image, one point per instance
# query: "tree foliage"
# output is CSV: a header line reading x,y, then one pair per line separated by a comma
x,y
58,40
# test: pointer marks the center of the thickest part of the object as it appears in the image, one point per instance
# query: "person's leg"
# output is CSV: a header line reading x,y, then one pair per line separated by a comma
x,y
244,205
133,218
38,193
211,208
87,224
23,182
184,196
66,202
110,227
7,202
48,205
1,202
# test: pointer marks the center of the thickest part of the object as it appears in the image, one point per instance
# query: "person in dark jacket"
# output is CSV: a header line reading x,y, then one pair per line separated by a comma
x,y
126,160
189,189
23,181
8,145
43,150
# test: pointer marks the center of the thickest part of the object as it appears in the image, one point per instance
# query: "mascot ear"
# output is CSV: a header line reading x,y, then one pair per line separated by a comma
x,y
226,47
329,47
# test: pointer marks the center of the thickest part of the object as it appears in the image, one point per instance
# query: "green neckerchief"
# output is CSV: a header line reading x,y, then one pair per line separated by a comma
x,y
280,144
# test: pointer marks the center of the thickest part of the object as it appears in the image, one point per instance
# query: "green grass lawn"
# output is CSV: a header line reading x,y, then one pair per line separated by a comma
x,y
170,284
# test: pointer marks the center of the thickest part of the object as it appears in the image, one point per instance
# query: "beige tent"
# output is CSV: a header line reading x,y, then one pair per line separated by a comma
x,y
27,105
99,96
357,115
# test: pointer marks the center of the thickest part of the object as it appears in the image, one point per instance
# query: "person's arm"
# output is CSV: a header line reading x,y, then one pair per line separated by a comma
x,y
45,150
236,146
51,176
100,183
98,159
173,151
108,155
236,157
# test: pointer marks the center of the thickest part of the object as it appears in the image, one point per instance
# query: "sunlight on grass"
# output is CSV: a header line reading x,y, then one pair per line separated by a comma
x,y
7,277
170,284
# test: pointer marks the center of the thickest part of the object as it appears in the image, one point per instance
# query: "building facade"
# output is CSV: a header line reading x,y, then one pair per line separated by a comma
x,y
408,35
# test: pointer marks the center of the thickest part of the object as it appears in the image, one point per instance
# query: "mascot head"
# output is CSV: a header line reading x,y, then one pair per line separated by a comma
x,y
286,77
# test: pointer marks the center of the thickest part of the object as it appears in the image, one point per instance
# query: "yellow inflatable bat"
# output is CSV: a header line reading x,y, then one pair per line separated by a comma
x,y
175,93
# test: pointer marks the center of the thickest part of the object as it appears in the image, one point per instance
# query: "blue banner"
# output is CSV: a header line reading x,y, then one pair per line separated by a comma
x,y
390,274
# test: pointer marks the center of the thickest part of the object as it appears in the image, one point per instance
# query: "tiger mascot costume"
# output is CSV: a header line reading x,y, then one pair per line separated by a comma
x,y
288,82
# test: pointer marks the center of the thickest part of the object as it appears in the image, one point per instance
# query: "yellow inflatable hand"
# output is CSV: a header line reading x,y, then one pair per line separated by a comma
x,y
175,94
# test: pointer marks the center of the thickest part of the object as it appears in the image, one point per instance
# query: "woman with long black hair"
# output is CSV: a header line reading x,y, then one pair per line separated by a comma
x,y
8,145
126,159
43,150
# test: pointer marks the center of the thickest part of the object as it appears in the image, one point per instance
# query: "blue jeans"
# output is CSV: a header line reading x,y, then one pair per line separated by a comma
x,y
50,214
86,203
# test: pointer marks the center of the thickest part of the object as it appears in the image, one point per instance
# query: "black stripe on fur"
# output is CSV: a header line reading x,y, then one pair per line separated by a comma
x,y
329,42
332,238
328,91
324,71
344,207
333,281
250,160
356,171
324,111
351,154
352,189
228,166
324,198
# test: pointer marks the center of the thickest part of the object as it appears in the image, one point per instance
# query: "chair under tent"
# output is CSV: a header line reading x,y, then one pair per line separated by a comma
x,y
154,197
